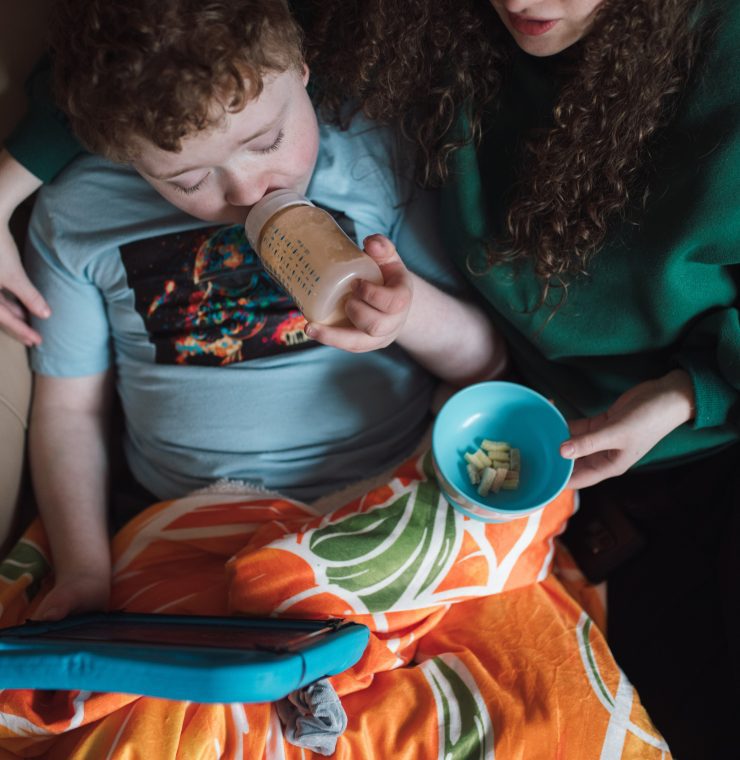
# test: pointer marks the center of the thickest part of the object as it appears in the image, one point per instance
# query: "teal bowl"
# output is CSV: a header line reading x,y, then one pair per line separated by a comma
x,y
509,412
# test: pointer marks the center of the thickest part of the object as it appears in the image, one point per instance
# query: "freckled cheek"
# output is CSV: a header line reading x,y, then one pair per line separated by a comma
x,y
307,145
305,156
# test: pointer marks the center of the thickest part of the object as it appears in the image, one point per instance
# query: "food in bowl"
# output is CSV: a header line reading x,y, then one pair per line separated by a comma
x,y
493,466
500,412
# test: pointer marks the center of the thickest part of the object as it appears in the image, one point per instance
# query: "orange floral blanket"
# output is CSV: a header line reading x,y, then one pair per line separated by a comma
x,y
477,650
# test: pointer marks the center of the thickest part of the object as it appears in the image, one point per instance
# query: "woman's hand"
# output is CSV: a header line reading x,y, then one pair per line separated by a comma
x,y
377,312
609,444
74,593
13,279
16,184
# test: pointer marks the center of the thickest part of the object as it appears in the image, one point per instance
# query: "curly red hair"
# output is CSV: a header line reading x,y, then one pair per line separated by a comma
x,y
158,71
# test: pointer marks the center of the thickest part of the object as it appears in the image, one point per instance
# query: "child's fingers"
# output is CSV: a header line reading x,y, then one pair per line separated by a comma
x,y
345,338
75,596
388,299
381,250
385,255
54,607
370,321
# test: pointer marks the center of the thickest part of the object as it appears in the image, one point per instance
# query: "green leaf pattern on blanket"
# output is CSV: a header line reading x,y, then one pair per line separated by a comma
x,y
25,559
380,554
466,731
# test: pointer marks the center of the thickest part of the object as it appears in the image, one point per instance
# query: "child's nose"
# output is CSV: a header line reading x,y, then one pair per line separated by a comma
x,y
246,191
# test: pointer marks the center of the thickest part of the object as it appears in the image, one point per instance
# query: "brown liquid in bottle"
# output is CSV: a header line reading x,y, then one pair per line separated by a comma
x,y
307,252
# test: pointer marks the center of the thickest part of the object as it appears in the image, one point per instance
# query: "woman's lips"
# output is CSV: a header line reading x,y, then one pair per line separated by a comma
x,y
530,26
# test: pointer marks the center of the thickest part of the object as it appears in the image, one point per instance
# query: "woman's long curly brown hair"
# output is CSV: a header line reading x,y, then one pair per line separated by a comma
x,y
415,63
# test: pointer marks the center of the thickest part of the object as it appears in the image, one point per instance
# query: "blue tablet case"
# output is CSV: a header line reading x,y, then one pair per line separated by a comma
x,y
199,659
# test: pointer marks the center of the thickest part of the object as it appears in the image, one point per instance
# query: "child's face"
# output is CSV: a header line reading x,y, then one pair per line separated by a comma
x,y
546,27
219,174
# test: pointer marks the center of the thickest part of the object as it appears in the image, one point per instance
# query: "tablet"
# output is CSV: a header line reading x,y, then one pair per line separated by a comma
x,y
183,657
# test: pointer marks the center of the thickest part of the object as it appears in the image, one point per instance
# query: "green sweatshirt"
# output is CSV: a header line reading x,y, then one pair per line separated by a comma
x,y
660,295
42,141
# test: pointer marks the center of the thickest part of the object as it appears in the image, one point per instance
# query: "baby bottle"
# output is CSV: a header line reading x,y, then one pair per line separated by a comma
x,y
307,252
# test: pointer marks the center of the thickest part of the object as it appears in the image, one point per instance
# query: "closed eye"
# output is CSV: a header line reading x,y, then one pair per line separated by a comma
x,y
193,188
278,142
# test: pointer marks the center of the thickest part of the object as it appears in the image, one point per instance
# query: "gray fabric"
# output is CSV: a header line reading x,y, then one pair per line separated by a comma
x,y
313,717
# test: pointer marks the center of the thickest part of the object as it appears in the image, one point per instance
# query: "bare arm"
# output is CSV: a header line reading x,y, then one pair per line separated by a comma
x,y
453,339
16,184
69,465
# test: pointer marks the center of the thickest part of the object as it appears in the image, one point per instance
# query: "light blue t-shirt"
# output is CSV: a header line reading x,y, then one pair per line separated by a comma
x,y
215,375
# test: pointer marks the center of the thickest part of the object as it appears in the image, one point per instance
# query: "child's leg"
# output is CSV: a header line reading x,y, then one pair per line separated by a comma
x,y
15,396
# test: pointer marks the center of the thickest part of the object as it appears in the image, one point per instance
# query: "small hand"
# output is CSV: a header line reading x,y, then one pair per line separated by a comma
x,y
73,594
609,444
377,312
13,279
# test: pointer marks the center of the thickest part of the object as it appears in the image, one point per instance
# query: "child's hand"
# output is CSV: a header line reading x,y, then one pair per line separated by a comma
x,y
378,312
608,445
13,279
73,594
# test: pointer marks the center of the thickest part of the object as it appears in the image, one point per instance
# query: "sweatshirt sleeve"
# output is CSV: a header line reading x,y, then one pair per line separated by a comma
x,y
43,142
710,349
715,372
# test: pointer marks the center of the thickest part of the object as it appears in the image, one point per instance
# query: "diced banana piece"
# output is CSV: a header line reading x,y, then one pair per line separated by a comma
x,y
478,459
482,459
516,460
486,481
511,481
499,459
499,479
493,467
473,474
495,445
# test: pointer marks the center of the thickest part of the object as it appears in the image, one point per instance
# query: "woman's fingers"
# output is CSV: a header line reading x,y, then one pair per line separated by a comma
x,y
596,447
13,277
587,436
26,293
589,471
14,280
13,321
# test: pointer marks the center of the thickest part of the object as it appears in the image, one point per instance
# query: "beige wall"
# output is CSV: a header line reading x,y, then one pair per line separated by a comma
x,y
22,30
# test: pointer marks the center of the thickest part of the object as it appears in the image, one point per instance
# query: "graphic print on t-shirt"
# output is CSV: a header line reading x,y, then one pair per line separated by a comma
x,y
206,299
